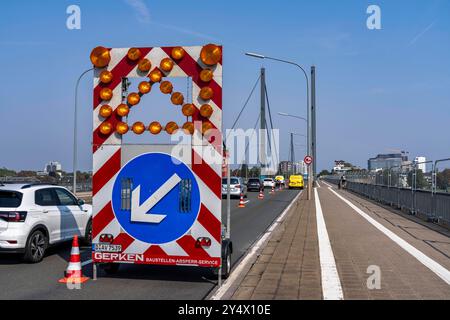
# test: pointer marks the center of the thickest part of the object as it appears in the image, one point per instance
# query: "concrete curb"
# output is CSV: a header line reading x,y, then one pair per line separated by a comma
x,y
229,287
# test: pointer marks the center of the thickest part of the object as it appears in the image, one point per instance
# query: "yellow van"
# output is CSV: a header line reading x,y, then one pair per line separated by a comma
x,y
296,181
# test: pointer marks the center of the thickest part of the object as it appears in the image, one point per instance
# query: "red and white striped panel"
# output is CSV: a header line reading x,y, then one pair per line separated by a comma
x,y
207,169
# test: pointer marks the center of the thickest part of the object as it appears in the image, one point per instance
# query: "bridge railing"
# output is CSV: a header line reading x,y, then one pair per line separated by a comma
x,y
408,188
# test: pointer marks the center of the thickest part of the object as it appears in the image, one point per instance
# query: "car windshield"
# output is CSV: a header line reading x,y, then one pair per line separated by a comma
x,y
267,179
253,180
232,181
10,199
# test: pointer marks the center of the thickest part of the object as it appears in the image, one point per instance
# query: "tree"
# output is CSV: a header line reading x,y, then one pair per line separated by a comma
x,y
254,172
420,179
443,180
324,173
27,173
6,172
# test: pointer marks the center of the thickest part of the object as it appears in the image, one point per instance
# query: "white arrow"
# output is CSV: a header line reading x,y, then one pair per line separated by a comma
x,y
139,212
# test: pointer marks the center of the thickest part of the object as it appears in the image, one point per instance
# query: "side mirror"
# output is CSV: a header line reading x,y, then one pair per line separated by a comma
x,y
81,202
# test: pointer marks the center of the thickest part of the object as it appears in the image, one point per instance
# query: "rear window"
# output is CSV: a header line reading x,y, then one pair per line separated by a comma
x,y
267,179
10,199
253,180
232,181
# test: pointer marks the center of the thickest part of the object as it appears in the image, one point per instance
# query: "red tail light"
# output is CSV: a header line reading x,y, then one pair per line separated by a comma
x,y
203,242
106,238
237,186
16,216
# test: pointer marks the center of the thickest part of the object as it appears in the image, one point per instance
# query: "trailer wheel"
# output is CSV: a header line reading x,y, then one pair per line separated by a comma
x,y
226,265
110,268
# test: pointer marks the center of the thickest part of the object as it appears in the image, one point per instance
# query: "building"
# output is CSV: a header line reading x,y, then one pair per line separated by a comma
x,y
287,167
420,163
386,161
341,167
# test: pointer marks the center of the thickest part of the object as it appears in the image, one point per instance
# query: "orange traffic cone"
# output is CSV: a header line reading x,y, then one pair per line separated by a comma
x,y
73,273
261,194
273,190
241,202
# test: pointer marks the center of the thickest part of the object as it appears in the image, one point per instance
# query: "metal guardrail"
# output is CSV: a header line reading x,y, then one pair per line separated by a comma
x,y
433,206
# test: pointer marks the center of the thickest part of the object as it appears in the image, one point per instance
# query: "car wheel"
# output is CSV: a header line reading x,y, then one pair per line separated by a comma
x,y
36,246
111,268
87,240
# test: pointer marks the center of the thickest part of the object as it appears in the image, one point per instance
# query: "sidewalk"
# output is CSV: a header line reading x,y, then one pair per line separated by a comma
x,y
411,261
288,267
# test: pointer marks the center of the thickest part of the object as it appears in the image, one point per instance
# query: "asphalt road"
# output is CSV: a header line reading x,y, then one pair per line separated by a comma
x,y
19,280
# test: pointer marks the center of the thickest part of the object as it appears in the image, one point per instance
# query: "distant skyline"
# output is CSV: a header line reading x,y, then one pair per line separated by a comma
x,y
376,89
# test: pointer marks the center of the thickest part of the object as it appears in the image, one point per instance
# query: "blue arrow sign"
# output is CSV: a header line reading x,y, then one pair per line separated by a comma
x,y
154,213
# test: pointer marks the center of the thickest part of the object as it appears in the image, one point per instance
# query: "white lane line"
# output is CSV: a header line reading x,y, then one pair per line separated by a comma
x,y
438,269
331,284
85,263
250,255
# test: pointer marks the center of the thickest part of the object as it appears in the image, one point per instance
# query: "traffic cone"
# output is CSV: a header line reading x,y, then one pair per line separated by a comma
x,y
241,201
261,194
73,273
273,190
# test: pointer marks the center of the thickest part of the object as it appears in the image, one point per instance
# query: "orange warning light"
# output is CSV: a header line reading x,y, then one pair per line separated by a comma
x,y
138,127
105,128
188,109
177,98
106,77
122,110
210,54
105,111
100,57
133,98
155,127
206,110
206,93
106,94
166,65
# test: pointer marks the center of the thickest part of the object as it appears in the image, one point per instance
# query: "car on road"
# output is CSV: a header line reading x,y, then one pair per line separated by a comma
x,y
296,181
254,184
269,183
35,216
237,186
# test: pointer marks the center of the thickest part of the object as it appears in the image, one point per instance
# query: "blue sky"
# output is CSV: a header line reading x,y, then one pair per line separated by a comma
x,y
376,89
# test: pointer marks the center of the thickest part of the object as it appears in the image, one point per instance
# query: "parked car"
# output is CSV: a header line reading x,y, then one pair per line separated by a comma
x,y
254,184
296,181
237,186
268,183
35,216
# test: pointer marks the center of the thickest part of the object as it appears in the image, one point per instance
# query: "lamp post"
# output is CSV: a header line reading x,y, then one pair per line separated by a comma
x,y
75,141
260,56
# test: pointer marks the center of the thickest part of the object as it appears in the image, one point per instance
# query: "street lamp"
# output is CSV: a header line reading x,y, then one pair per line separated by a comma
x,y
75,132
292,115
260,56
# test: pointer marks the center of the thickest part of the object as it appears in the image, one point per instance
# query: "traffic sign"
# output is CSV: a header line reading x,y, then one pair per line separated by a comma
x,y
308,160
158,212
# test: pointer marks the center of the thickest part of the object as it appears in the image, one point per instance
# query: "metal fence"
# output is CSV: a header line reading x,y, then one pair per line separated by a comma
x,y
408,188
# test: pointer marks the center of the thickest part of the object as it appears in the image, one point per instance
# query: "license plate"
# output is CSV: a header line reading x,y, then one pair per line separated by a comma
x,y
103,247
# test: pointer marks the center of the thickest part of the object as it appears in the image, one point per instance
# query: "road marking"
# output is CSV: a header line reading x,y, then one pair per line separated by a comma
x,y
247,201
85,263
438,269
250,255
331,284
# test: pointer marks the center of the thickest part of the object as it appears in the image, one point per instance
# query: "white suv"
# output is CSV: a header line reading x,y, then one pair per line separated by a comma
x,y
269,183
34,216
